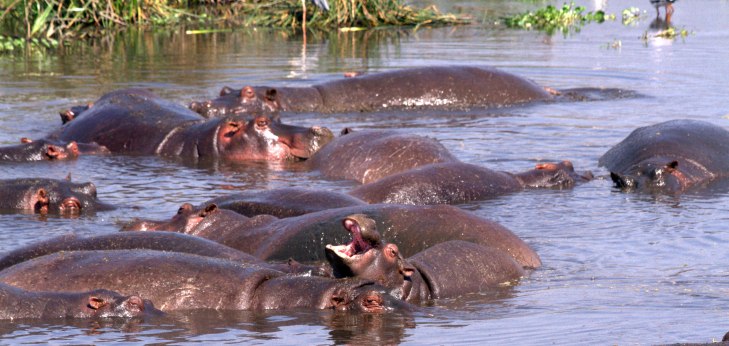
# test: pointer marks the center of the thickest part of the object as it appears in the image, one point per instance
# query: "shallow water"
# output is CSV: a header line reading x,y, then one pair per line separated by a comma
x,y
618,268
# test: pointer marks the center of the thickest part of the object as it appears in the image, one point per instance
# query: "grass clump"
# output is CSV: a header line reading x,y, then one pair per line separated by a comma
x,y
342,14
551,19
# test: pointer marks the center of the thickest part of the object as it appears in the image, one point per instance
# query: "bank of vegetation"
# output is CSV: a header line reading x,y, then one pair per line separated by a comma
x,y
48,23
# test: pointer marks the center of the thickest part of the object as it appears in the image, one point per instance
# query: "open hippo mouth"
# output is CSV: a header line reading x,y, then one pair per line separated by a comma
x,y
345,259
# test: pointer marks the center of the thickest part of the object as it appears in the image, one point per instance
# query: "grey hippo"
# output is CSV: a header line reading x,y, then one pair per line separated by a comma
x,y
669,157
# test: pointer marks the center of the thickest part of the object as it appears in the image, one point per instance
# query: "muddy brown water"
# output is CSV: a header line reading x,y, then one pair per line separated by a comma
x,y
618,268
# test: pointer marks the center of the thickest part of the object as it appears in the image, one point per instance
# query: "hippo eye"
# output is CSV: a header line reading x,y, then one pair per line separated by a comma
x,y
262,122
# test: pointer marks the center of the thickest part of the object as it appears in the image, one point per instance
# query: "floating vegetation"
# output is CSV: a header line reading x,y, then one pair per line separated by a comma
x,y
550,19
632,15
341,14
669,33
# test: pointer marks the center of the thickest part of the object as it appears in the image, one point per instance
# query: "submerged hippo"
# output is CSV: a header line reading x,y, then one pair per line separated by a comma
x,y
137,122
457,182
366,156
45,196
44,149
445,270
162,241
669,157
444,87
179,281
304,237
284,202
16,303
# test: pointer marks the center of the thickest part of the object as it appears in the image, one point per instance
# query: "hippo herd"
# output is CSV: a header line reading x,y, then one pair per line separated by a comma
x,y
390,244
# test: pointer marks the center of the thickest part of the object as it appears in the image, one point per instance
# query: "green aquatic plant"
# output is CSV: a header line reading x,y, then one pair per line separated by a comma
x,y
631,15
550,19
669,33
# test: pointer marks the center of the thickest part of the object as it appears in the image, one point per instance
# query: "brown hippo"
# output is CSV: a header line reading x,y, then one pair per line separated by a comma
x,y
304,237
445,270
162,241
284,202
137,122
44,149
16,303
443,87
179,281
669,157
49,196
366,156
457,182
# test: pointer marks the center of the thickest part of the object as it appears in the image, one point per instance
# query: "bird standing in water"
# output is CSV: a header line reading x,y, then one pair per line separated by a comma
x,y
668,4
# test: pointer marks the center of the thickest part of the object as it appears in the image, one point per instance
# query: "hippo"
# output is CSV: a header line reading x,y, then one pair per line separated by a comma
x,y
138,122
669,157
304,237
151,240
443,87
16,303
457,182
445,270
162,241
365,156
44,196
47,150
283,202
180,281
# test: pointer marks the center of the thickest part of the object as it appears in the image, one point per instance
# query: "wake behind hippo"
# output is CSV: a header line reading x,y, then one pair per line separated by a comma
x,y
669,157
444,87
137,122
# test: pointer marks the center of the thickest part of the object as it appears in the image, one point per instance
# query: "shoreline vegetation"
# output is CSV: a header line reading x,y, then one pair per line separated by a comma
x,y
51,23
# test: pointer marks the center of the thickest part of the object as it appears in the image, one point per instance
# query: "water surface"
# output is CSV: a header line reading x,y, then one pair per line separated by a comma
x,y
618,268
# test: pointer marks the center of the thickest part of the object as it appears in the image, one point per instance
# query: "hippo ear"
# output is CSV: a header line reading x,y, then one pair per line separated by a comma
x,y
97,303
72,148
209,209
672,165
406,269
184,209
226,90
67,116
134,304
247,93
545,166
26,140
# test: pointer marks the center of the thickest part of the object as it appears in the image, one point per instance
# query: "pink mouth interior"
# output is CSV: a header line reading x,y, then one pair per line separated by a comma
x,y
358,244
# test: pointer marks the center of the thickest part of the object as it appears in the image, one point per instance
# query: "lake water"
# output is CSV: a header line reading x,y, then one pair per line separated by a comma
x,y
618,268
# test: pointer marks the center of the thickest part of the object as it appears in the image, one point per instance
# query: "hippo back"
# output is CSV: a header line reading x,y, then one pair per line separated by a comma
x,y
366,156
435,86
691,140
128,121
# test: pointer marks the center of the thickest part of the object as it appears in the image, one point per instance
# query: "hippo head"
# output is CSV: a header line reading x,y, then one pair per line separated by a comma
x,y
42,149
61,197
367,257
105,303
73,112
552,175
368,297
248,100
184,221
652,176
263,139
